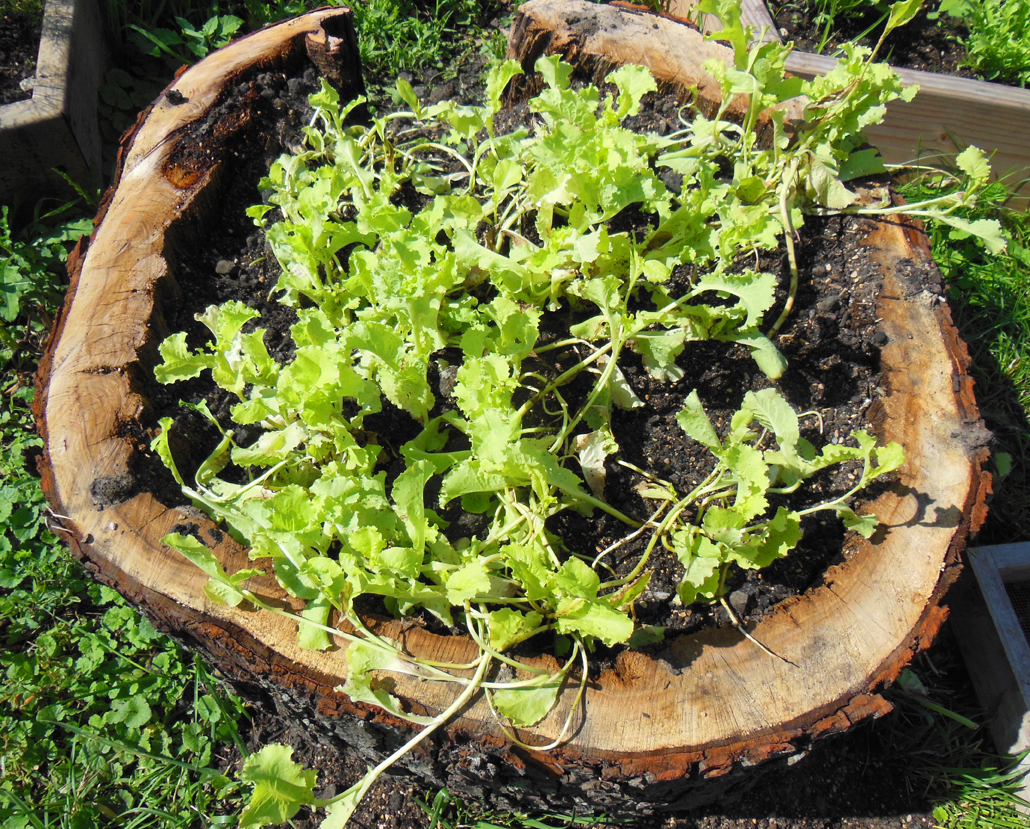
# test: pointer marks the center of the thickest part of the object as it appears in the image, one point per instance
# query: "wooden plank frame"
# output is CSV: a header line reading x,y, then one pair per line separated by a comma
x,y
994,646
946,116
57,127
995,567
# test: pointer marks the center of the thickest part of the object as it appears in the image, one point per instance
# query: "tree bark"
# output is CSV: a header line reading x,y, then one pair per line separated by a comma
x,y
673,729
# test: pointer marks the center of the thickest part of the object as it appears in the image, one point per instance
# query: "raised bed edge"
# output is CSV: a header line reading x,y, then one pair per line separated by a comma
x,y
57,126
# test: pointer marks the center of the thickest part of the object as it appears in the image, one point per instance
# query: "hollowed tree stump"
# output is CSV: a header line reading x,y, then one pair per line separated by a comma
x,y
655,730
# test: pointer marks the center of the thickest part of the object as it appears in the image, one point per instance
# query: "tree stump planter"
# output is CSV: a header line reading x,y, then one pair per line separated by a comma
x,y
671,729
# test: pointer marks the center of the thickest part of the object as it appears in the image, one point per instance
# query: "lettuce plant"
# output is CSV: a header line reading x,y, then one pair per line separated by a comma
x,y
515,229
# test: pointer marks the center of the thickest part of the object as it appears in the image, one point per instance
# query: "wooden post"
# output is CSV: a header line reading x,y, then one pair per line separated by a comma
x,y
57,126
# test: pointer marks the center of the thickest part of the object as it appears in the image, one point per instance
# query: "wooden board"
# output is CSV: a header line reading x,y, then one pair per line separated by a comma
x,y
57,126
994,646
947,115
657,730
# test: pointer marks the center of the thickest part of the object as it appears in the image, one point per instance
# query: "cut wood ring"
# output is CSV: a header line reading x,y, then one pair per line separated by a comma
x,y
654,729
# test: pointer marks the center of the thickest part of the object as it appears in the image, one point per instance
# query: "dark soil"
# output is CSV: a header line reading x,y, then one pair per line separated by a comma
x,y
19,46
929,45
831,343
833,347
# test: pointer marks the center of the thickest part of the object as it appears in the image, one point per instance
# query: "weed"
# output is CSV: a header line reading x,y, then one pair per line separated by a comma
x,y
828,16
998,44
396,35
31,271
936,726
448,812
25,9
119,716
189,43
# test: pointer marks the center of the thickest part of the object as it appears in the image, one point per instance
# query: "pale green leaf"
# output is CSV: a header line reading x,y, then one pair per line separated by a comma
x,y
592,449
164,451
225,321
865,525
693,420
468,582
973,162
888,457
633,82
901,13
362,659
775,414
179,362
196,552
215,462
340,810
407,94
281,786
271,447
646,635
408,494
659,350
768,357
702,561
989,231
827,188
497,79
622,392
310,637
593,618
577,578
223,592
508,627
528,704
862,163
554,71
467,478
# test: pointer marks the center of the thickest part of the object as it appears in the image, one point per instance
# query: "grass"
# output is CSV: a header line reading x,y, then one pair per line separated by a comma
x,y
971,786
105,722
154,38
998,40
